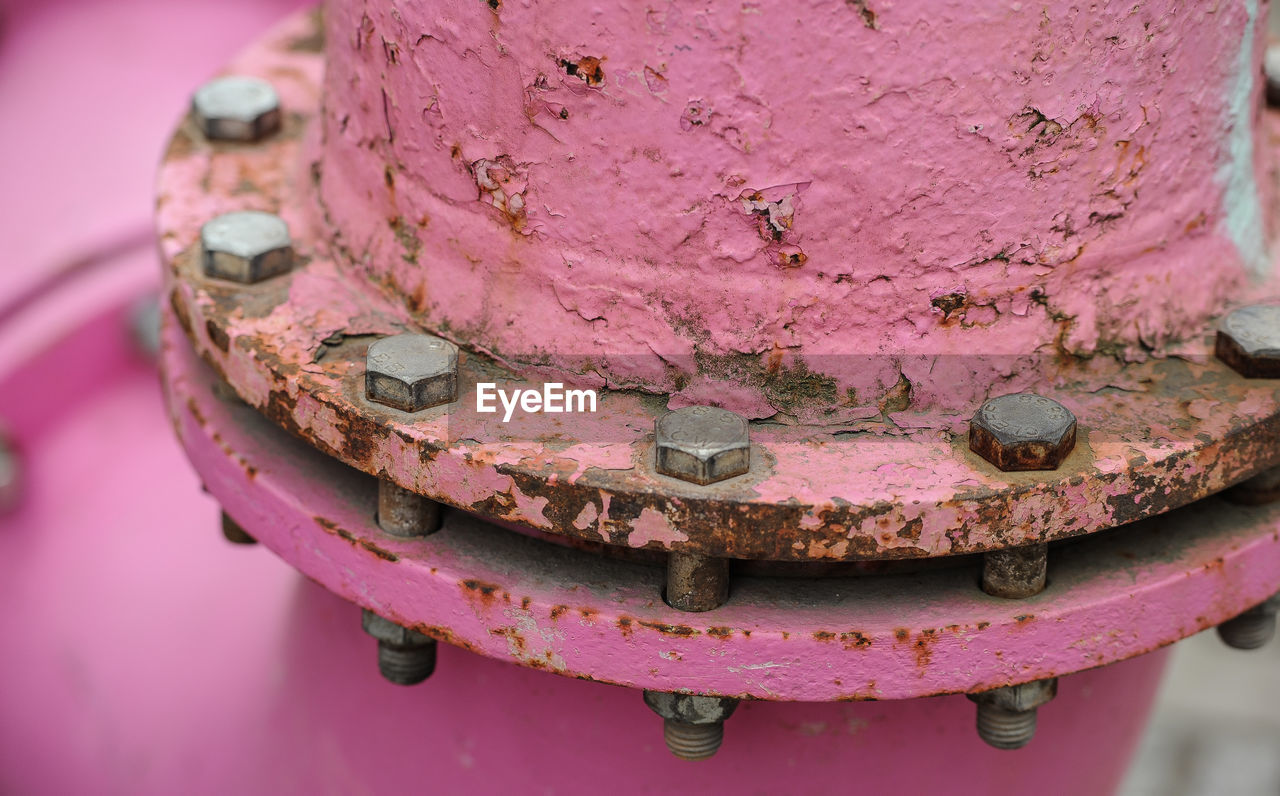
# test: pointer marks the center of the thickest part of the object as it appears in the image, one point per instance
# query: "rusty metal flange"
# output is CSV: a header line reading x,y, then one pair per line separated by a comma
x,y
1152,436
501,594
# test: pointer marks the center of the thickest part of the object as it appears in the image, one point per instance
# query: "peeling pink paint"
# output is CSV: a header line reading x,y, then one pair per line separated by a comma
x,y
652,526
782,639
954,178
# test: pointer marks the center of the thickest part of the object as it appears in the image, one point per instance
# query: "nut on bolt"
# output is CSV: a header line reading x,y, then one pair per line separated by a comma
x,y
702,444
245,246
1023,431
1249,341
693,726
412,372
1007,715
236,108
405,657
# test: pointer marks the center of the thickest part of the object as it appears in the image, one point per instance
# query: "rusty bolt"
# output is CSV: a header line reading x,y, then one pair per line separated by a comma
x,y
233,533
246,246
1249,341
236,108
405,513
1015,572
696,583
1271,67
412,372
1253,628
1007,715
10,476
702,444
405,657
1259,490
693,726
1023,431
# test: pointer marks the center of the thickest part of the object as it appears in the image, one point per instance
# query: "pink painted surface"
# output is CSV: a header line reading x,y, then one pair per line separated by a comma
x,y
147,656
1154,435
773,205
154,658
571,612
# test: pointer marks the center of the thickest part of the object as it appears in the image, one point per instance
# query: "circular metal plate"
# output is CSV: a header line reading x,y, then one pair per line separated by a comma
x,y
516,598
1152,436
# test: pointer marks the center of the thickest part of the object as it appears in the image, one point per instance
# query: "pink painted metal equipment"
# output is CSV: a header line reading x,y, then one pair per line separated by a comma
x,y
887,331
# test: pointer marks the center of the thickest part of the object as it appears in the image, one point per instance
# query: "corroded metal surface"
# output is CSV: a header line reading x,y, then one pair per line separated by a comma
x,y
1152,435
501,594
720,201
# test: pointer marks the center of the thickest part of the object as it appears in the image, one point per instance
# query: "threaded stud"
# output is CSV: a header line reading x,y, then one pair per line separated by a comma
x,y
1005,729
1248,631
692,741
406,665
233,533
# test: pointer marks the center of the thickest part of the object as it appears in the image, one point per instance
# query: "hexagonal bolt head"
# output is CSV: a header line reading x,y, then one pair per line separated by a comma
x,y
246,246
236,108
1007,716
405,657
693,726
1252,629
1249,341
702,444
1023,431
412,372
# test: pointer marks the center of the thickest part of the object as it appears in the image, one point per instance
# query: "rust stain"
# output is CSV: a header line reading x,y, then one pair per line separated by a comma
x,y
486,593
855,640
333,528
217,336
558,610
924,648
513,638
671,630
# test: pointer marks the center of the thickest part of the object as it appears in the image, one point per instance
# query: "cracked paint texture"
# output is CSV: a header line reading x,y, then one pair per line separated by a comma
x,y
797,208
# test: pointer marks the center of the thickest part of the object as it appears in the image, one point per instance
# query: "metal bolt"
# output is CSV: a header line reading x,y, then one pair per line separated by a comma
x,y
693,726
10,476
246,246
412,372
1007,715
1251,629
405,657
1015,572
1249,341
144,325
1259,490
1271,68
234,533
696,583
405,513
1023,431
236,108
702,444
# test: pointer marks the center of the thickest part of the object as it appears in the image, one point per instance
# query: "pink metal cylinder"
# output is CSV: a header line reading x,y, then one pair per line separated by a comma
x,y
824,210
